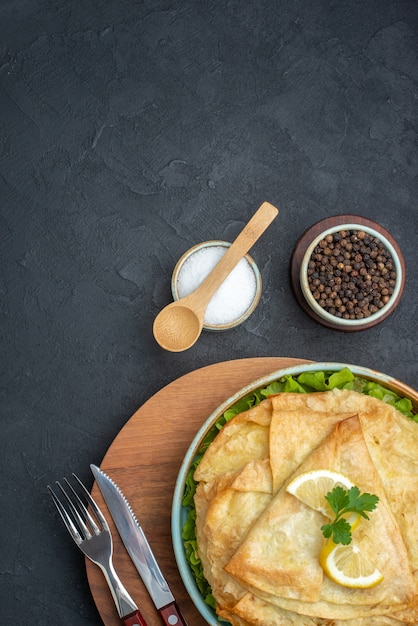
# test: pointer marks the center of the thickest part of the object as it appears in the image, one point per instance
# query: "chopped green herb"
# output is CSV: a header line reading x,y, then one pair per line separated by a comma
x,y
343,501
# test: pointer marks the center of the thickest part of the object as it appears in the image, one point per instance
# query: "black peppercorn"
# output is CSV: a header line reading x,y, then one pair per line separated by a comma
x,y
351,274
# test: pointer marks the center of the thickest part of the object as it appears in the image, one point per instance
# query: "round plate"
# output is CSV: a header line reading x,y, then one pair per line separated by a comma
x,y
179,513
303,244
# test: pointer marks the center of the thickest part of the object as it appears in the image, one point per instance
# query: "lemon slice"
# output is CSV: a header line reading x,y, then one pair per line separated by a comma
x,y
312,487
348,566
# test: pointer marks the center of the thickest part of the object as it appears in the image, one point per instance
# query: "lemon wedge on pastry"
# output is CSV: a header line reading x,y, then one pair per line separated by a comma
x,y
312,487
348,566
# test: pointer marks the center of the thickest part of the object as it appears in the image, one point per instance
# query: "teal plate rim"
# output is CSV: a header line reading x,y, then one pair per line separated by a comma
x,y
179,513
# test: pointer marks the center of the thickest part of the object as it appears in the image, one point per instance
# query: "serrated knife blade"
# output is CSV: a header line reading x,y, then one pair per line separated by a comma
x,y
139,549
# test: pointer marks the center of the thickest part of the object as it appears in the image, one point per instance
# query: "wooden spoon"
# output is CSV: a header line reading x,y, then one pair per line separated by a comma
x,y
178,326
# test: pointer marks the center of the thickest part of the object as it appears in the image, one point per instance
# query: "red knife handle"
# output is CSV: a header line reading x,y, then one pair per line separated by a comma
x,y
171,615
134,619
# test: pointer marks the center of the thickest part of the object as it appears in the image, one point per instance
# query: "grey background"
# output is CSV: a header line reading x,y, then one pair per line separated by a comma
x,y
130,131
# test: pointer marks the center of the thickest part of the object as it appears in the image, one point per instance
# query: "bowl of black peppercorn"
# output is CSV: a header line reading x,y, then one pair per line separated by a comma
x,y
351,276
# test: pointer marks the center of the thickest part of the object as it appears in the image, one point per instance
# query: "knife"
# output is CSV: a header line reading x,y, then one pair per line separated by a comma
x,y
139,549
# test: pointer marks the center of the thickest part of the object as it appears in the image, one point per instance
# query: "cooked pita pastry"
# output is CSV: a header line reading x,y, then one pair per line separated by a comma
x,y
260,546
304,432
261,613
245,438
234,505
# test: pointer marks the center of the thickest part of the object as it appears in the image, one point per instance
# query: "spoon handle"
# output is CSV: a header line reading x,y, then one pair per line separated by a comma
x,y
259,222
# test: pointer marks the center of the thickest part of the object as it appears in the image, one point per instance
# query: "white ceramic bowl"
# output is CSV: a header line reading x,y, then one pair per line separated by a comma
x,y
224,297
351,323
179,513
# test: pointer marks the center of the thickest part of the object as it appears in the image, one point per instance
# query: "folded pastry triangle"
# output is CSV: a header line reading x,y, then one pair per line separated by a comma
x,y
259,612
279,557
229,508
294,434
243,439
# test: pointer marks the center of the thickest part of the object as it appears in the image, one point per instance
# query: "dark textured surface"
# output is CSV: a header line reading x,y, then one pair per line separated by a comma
x,y
131,130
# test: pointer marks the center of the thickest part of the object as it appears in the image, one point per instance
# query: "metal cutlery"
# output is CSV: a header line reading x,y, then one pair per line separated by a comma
x,y
91,534
139,549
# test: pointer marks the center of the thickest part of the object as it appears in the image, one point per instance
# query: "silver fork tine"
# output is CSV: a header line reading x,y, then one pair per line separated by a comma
x,y
65,517
99,515
82,521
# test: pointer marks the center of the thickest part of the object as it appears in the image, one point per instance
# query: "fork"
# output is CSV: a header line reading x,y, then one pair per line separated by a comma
x,y
92,536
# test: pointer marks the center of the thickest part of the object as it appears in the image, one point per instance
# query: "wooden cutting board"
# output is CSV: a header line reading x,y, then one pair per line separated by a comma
x,y
144,460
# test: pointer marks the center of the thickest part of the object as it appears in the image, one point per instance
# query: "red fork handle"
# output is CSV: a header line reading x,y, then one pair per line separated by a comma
x,y
134,619
171,615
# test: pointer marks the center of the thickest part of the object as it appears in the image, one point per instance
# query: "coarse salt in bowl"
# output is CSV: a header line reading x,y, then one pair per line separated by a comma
x,y
236,298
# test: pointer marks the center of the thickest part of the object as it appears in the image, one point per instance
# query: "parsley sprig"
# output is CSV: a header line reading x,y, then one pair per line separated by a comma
x,y
343,501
